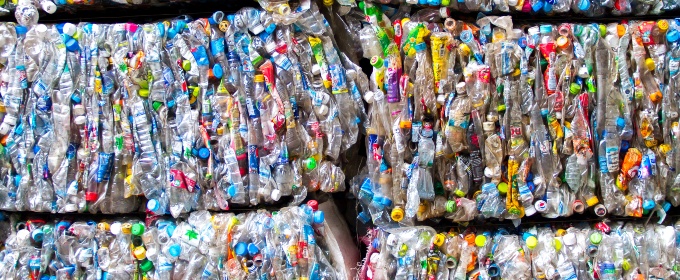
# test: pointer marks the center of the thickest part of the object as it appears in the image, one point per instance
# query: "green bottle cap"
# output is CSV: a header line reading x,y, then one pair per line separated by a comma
x,y
596,238
377,61
310,163
156,105
138,229
146,265
451,206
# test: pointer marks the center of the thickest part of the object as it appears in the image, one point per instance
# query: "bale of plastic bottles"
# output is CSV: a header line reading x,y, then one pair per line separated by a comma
x,y
241,109
488,120
286,244
605,250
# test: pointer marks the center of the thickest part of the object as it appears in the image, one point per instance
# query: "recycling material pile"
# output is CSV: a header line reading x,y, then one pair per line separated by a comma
x,y
241,109
598,251
485,120
288,244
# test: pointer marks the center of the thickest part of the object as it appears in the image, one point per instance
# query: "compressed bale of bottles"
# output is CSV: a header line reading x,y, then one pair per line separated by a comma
x,y
604,250
286,244
485,120
240,109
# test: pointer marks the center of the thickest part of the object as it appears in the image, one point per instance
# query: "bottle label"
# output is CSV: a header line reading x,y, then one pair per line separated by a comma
x,y
613,158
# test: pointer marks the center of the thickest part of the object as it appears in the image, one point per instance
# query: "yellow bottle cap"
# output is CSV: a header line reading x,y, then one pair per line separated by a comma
x,y
603,30
562,42
664,148
220,130
480,240
126,228
560,232
464,49
259,78
404,21
397,214
656,96
557,243
422,208
620,30
186,65
532,242
439,239
650,64
662,24
625,265
592,201
103,226
459,193
502,187
139,252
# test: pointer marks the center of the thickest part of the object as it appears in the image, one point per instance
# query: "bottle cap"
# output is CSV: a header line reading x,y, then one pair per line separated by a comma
x,y
240,249
578,206
592,201
116,228
662,24
276,194
666,206
451,206
439,239
464,49
319,217
259,78
600,210
397,214
37,235
72,45
529,210
625,265
557,244
217,71
91,196
532,241
203,153
310,163
502,187
313,204
377,61
649,62
146,265
386,202
595,238
648,204
103,226
186,65
137,229
364,218
175,250
584,5
253,249
48,6
569,238
80,120
143,92
545,29
139,252
156,105
480,240
541,206
78,109
672,36
69,29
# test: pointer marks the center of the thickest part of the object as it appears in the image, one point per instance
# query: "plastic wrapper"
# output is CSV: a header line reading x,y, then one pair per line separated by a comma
x,y
286,244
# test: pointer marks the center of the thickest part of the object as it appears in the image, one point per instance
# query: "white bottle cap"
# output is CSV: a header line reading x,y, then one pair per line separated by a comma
x,y
68,208
529,210
276,194
48,6
488,126
558,115
444,12
569,238
316,69
488,172
264,192
80,120
41,28
368,96
78,110
257,29
4,128
441,99
23,236
69,29
115,228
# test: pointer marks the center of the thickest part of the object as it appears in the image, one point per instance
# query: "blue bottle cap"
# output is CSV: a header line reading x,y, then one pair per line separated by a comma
x,y
230,18
531,186
105,276
252,249
548,7
546,28
270,28
76,98
72,45
625,145
363,218
544,112
466,36
537,6
241,249
522,42
231,190
672,35
170,230
60,27
152,205
45,277
620,122
217,71
20,29
63,225
386,202
666,206
172,32
648,205
319,217
175,250
161,28
37,235
526,235
203,153
584,5
375,243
